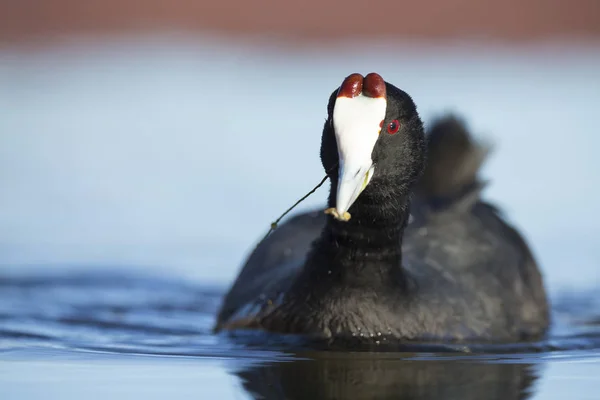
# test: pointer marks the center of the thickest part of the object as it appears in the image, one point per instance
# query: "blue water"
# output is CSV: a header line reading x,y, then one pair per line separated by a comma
x,y
112,334
136,174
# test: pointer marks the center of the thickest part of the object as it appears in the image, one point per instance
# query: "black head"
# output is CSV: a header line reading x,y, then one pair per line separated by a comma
x,y
388,159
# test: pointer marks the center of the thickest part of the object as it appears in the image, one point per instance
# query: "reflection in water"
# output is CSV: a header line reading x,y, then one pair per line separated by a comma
x,y
353,376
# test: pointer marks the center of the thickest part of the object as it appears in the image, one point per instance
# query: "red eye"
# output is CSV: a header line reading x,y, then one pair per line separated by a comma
x,y
393,127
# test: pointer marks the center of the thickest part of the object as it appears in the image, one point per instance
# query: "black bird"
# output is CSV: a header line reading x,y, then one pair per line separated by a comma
x,y
457,272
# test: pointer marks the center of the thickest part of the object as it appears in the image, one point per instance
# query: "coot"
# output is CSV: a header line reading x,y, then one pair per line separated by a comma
x,y
456,272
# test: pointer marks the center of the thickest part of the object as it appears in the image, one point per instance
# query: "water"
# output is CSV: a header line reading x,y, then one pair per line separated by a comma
x,y
104,334
136,174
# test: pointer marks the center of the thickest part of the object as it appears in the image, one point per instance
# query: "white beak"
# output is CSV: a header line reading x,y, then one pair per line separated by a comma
x,y
356,121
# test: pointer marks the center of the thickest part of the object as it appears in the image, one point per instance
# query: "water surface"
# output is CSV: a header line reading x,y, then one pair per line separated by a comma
x,y
113,334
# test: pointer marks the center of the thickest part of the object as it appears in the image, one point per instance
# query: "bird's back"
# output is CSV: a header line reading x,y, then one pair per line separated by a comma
x,y
474,275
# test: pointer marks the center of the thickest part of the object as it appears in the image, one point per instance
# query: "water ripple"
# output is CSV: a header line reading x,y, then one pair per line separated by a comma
x,y
156,316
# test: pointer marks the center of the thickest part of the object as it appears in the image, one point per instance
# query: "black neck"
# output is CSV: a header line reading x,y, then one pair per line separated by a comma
x,y
366,250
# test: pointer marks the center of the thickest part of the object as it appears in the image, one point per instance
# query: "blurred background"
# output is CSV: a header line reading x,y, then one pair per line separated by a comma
x,y
166,136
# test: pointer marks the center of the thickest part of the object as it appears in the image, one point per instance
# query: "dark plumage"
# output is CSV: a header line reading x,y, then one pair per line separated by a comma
x,y
456,272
